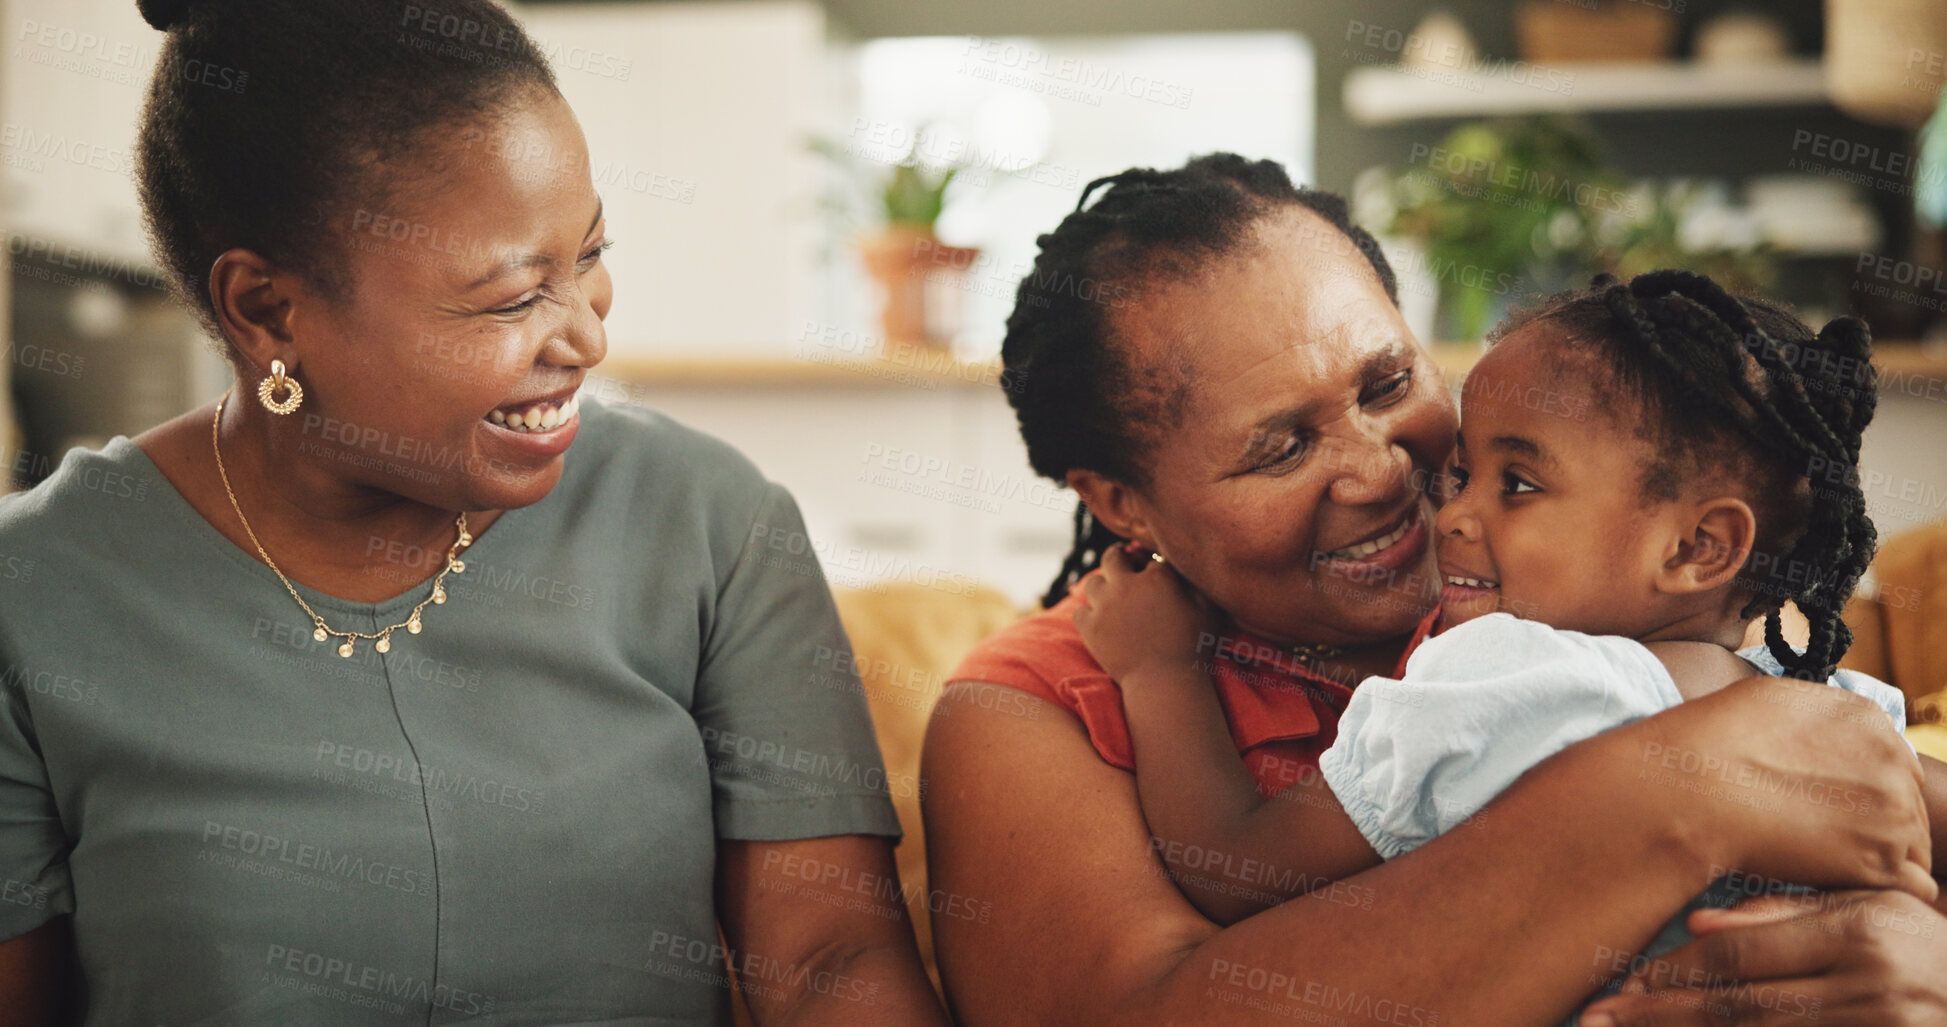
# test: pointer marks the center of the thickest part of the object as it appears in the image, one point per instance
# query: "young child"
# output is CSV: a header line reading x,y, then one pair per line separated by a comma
x,y
1643,470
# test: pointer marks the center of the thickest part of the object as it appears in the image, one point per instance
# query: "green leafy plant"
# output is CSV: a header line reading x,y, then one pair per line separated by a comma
x,y
1629,247
909,191
915,194
1536,200
1509,199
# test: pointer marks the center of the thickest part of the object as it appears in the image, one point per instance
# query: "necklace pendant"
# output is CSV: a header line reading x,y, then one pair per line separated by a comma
x,y
320,632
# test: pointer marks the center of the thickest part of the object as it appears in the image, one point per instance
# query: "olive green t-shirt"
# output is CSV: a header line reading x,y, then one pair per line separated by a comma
x,y
510,817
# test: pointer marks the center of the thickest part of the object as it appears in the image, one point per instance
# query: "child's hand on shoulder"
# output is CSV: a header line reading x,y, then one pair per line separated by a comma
x,y
1139,618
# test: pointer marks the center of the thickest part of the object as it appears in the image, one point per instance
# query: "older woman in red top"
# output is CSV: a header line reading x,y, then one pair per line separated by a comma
x,y
1214,360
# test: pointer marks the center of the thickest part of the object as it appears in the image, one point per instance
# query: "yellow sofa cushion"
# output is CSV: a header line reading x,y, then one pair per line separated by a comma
x,y
1900,631
906,639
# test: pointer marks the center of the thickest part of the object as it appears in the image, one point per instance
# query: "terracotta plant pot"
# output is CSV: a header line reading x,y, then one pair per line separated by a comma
x,y
921,277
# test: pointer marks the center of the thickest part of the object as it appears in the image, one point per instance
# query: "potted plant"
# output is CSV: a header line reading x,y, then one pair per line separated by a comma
x,y
906,256
918,273
1499,201
1536,201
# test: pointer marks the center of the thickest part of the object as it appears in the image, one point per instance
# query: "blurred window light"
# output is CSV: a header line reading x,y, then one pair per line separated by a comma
x,y
1030,121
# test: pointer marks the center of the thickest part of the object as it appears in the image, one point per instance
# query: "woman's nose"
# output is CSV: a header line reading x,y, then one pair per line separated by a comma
x,y
1370,471
583,342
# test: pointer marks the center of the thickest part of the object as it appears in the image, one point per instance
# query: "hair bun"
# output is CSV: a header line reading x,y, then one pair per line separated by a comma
x,y
163,15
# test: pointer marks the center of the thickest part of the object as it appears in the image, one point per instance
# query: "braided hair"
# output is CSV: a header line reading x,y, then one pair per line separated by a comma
x,y
1742,387
1080,400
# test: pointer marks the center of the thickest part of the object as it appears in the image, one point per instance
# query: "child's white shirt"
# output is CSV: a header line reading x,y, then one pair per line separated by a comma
x,y
1486,700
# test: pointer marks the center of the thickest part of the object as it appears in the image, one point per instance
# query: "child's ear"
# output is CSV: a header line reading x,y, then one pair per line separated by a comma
x,y
1715,540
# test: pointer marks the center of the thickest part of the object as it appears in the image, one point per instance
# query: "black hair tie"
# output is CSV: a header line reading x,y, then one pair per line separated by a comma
x,y
163,15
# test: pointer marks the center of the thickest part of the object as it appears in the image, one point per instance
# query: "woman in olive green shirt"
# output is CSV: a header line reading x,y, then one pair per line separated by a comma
x,y
405,684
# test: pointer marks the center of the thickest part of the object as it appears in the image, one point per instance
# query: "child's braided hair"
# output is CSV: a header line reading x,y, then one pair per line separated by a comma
x,y
1743,388
1081,403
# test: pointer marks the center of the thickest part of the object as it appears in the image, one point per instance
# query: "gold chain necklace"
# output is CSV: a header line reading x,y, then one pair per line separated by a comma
x,y
320,630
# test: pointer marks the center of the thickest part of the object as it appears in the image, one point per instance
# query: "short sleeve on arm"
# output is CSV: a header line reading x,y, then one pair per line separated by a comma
x,y
1479,705
1885,696
34,884
778,702
1890,699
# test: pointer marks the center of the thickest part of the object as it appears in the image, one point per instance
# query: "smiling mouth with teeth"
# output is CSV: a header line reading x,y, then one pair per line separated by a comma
x,y
1465,582
537,416
1365,549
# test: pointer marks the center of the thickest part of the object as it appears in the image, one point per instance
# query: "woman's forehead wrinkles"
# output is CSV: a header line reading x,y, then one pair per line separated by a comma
x,y
1291,342
1335,356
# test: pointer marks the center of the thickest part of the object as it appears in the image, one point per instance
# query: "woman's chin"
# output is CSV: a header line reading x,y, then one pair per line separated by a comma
x,y
507,490
490,488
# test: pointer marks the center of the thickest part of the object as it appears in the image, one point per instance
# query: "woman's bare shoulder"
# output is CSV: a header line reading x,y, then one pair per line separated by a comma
x,y
1027,823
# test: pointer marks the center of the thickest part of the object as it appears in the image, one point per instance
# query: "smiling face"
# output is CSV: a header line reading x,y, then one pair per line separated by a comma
x,y
1290,490
1550,522
476,299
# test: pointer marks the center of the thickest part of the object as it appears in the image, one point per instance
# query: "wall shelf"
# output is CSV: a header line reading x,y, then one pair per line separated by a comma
x,y
1911,361
1395,94
906,366
1904,366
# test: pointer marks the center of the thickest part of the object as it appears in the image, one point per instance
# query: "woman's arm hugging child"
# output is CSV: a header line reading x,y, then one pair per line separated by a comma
x,y
1644,469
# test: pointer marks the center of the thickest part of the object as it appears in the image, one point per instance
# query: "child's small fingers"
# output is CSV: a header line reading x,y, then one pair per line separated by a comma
x,y
1087,592
1762,910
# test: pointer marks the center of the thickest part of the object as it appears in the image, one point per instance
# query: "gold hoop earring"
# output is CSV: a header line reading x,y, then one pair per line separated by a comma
x,y
267,390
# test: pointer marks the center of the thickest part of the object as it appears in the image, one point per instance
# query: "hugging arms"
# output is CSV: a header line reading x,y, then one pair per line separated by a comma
x,y
1283,419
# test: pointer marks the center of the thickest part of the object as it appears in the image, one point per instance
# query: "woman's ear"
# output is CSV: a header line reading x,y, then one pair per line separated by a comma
x,y
1117,506
1715,540
254,307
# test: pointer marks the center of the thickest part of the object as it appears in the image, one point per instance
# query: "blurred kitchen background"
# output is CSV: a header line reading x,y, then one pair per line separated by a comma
x,y
822,209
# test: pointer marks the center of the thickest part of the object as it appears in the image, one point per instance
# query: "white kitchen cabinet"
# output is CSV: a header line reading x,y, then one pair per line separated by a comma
x,y
699,118
897,484
75,73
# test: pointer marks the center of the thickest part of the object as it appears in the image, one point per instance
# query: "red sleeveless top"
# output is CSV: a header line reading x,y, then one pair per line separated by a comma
x,y
1282,715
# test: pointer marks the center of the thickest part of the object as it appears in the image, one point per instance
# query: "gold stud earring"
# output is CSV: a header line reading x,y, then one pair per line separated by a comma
x,y
267,390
